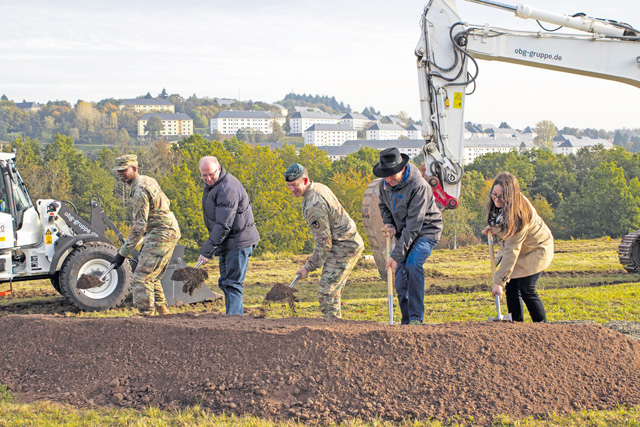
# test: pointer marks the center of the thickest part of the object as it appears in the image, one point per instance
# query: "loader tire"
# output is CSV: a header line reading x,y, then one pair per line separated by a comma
x,y
629,252
94,258
55,281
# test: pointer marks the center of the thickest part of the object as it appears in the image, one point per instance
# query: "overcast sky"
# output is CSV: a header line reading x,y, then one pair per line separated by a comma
x,y
359,51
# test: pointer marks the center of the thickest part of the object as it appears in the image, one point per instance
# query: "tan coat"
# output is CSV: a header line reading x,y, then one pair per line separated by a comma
x,y
527,252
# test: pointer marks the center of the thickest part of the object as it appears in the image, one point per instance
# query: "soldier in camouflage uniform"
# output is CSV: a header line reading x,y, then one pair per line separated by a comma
x,y
152,220
338,244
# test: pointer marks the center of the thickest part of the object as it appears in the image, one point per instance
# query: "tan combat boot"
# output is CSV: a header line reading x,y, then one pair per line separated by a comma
x,y
163,310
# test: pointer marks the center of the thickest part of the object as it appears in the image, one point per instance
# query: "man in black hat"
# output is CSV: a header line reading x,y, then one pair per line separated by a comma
x,y
409,212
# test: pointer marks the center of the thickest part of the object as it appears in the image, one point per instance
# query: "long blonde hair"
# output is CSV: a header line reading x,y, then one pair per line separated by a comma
x,y
516,210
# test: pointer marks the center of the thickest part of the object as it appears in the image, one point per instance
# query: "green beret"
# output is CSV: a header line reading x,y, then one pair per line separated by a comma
x,y
123,162
293,172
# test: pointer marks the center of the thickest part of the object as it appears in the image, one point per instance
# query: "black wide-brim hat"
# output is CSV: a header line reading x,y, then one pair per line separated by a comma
x,y
391,162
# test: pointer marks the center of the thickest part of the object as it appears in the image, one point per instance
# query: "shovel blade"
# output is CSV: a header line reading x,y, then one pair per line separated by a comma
x,y
506,318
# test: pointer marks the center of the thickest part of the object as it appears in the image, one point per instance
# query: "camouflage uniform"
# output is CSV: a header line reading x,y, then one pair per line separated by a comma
x,y
152,220
338,245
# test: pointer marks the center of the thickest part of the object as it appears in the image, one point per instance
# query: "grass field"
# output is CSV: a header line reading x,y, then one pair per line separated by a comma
x,y
585,282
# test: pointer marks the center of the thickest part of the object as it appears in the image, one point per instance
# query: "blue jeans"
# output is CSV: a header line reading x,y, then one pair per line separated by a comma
x,y
410,280
233,268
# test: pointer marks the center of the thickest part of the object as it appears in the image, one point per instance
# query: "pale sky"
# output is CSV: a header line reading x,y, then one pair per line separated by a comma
x,y
359,51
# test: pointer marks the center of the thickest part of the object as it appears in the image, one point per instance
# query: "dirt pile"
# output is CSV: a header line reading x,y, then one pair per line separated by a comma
x,y
317,370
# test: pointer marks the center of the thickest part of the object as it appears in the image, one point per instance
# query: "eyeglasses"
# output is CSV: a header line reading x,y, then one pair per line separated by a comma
x,y
495,196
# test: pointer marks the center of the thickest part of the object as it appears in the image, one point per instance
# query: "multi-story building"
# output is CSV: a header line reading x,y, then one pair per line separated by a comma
x,y
406,146
476,147
303,120
140,105
386,131
329,134
175,124
228,122
356,121
472,148
414,132
28,106
571,144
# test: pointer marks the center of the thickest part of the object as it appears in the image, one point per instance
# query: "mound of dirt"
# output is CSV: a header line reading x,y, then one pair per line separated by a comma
x,y
317,370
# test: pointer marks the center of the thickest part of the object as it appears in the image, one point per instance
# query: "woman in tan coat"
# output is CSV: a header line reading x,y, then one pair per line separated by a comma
x,y
526,247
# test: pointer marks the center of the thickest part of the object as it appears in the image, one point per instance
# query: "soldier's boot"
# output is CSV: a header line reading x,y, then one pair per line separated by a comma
x,y
147,313
163,310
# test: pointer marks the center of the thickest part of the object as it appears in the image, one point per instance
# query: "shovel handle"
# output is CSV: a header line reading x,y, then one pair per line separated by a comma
x,y
199,263
295,281
492,255
107,271
389,280
497,298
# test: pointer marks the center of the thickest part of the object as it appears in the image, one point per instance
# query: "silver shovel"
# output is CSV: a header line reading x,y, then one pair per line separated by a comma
x,y
492,257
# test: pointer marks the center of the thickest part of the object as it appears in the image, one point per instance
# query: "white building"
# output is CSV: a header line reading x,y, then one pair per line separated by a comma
x,y
386,131
303,120
329,134
572,145
174,124
406,146
28,106
139,105
356,121
476,147
414,132
228,122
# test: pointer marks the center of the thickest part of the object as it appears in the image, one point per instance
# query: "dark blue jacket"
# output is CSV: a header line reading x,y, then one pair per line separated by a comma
x,y
412,210
228,216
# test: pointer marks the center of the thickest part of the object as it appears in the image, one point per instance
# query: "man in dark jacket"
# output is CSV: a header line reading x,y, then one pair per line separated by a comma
x,y
409,211
232,230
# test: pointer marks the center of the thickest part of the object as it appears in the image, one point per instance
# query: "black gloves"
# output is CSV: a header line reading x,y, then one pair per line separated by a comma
x,y
118,260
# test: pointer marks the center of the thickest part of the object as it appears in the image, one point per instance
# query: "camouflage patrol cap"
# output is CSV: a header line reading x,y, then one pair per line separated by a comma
x,y
123,162
293,172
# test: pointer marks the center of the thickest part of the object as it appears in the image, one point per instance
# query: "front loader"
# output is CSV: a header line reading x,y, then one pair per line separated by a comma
x,y
47,240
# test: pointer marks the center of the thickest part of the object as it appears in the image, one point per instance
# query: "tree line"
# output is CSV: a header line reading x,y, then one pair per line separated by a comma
x,y
592,194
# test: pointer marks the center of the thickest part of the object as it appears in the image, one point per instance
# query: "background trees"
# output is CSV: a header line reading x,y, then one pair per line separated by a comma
x,y
153,127
594,193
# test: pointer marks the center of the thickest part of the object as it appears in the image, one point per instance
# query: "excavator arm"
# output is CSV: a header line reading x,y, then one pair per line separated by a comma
x,y
447,69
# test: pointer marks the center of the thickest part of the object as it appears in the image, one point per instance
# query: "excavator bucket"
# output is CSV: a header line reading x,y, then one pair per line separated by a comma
x,y
173,288
373,226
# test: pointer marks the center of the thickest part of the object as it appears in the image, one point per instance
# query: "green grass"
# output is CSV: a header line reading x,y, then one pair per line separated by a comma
x,y
47,414
584,282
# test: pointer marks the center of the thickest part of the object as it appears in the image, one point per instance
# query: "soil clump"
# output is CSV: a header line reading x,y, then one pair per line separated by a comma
x,y
320,371
88,281
281,292
192,277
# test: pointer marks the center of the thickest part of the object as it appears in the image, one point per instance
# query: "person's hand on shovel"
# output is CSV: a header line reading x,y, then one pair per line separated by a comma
x,y
303,273
202,260
389,230
497,290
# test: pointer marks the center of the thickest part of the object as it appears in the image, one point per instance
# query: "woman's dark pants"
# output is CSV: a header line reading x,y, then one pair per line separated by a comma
x,y
524,289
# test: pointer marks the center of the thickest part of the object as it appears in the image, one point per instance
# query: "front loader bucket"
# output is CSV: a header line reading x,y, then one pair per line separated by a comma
x,y
173,289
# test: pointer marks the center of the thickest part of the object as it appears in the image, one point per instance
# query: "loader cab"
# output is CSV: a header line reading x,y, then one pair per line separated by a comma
x,y
18,215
